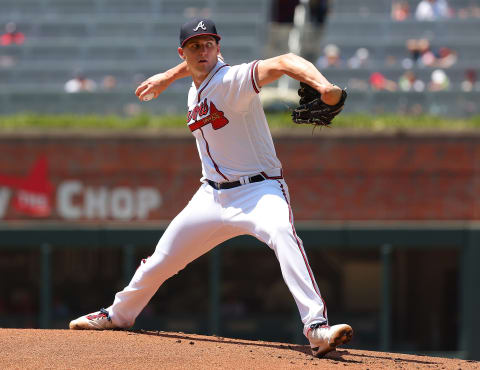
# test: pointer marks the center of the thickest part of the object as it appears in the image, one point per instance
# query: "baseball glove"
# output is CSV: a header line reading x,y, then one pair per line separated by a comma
x,y
313,110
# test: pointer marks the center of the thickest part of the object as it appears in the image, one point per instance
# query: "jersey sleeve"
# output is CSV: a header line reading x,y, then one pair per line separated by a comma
x,y
242,85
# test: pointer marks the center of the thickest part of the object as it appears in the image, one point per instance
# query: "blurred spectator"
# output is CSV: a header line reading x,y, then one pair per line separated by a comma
x,y
422,55
192,12
400,10
439,81
390,60
430,10
415,110
280,27
409,82
331,57
318,11
360,59
312,34
379,82
285,14
109,82
470,82
472,11
446,58
415,50
283,10
132,109
80,83
11,35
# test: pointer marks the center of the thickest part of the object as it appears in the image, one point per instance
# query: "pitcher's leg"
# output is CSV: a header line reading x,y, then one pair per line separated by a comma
x,y
297,273
267,215
196,230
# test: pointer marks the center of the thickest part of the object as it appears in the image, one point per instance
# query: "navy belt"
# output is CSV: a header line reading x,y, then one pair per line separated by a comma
x,y
233,184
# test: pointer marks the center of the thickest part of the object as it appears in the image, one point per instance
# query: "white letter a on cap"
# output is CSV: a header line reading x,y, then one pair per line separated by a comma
x,y
200,25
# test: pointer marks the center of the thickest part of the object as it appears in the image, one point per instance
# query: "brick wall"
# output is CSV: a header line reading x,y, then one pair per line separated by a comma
x,y
382,177
331,177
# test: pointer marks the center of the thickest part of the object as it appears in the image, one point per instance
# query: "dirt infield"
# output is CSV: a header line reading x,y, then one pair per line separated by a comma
x,y
54,349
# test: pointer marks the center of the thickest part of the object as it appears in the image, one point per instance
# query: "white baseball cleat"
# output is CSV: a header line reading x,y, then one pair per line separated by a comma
x,y
324,338
99,320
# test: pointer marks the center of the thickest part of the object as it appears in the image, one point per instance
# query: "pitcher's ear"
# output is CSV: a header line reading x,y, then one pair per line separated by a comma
x,y
180,53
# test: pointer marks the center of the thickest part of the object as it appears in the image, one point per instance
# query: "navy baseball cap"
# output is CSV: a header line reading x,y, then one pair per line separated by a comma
x,y
198,27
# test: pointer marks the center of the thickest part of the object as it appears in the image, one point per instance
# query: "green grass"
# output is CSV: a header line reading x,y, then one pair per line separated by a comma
x,y
25,121
276,120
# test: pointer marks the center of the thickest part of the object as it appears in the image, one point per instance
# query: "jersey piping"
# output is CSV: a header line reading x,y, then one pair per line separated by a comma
x,y
208,152
204,86
254,80
312,279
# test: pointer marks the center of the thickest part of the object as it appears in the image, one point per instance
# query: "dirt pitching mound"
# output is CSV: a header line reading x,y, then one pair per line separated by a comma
x,y
53,349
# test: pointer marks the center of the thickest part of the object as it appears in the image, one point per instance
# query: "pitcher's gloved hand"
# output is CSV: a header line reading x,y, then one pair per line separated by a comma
x,y
313,110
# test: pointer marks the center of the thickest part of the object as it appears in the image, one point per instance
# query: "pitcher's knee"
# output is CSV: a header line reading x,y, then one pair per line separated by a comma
x,y
281,232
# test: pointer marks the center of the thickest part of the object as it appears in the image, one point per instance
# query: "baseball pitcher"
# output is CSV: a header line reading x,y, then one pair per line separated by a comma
x,y
242,189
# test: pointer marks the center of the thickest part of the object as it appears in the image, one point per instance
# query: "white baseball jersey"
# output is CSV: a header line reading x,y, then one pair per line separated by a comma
x,y
227,119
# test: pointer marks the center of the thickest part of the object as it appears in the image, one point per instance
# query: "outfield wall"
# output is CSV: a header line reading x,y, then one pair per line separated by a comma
x,y
148,177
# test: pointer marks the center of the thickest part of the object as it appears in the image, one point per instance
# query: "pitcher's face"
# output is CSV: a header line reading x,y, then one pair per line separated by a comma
x,y
200,53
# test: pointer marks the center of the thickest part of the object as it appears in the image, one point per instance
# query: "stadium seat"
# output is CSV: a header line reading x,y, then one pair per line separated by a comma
x,y
119,28
361,8
12,9
53,52
42,75
44,102
166,29
115,52
14,51
6,76
62,7
125,6
346,28
401,31
461,28
183,7
61,28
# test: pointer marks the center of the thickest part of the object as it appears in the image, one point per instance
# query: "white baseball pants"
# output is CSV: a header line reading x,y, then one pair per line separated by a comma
x,y
261,209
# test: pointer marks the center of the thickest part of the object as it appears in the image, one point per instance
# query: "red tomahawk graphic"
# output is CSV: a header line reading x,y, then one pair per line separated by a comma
x,y
33,192
216,118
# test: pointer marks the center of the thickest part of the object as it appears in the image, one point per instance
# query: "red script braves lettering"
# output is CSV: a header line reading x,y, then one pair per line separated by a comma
x,y
216,117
